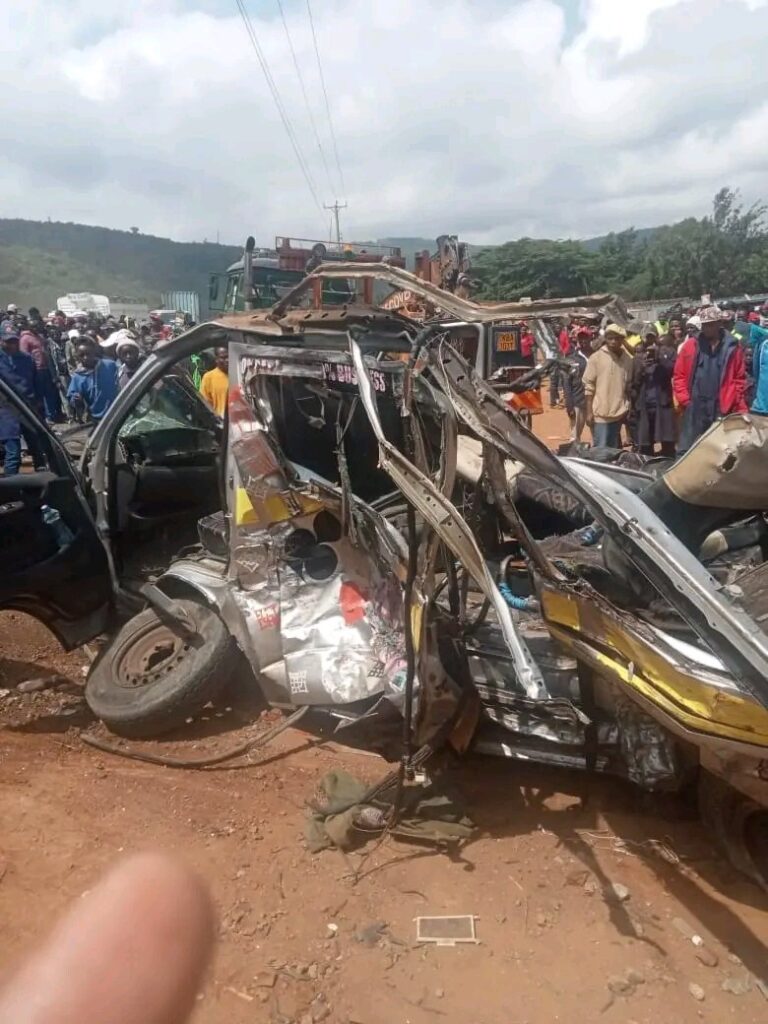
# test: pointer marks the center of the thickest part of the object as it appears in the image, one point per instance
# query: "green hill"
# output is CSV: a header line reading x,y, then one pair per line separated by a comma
x,y
41,260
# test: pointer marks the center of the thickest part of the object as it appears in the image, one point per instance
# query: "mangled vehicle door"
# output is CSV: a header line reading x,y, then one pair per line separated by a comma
x,y
648,549
318,570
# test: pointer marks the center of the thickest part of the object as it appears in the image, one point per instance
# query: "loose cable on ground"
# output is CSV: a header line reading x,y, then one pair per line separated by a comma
x,y
200,762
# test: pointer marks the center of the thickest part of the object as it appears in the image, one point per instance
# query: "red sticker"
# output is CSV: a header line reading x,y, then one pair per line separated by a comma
x,y
352,601
269,617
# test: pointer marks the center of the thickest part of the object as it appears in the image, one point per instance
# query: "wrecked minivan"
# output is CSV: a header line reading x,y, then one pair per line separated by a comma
x,y
373,533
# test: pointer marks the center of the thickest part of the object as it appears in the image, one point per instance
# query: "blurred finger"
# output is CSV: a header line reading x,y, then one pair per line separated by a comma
x,y
132,951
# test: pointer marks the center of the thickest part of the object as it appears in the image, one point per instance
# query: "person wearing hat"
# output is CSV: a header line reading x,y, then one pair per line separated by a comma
x,y
70,348
129,357
34,342
10,424
635,332
606,388
710,378
10,314
692,329
18,371
573,383
160,332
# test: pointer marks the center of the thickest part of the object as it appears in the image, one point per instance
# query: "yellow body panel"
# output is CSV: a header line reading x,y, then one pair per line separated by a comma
x,y
630,659
274,508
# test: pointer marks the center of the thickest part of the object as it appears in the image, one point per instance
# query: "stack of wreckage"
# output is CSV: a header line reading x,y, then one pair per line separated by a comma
x,y
382,539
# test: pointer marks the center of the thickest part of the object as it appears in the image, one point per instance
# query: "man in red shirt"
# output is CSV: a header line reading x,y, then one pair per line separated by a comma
x,y
35,344
564,341
710,377
527,341
159,331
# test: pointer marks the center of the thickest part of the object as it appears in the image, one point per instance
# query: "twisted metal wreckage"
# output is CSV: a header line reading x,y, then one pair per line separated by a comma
x,y
463,602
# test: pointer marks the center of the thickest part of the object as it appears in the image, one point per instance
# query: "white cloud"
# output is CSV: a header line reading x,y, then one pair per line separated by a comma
x,y
478,116
624,27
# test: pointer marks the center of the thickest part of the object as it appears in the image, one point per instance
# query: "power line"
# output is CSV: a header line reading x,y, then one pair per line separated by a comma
x,y
278,102
305,95
325,97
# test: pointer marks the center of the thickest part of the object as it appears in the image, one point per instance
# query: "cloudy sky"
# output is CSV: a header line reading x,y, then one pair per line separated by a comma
x,y
488,118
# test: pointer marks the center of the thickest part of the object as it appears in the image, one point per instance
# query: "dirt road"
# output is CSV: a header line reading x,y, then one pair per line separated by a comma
x,y
329,937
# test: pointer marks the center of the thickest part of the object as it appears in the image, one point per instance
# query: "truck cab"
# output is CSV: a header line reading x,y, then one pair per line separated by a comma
x,y
274,272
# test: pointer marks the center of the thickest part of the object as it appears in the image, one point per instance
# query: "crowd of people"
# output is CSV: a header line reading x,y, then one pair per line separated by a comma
x,y
68,368
654,387
657,387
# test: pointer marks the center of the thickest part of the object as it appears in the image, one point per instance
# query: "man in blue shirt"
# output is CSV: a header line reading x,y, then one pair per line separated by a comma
x,y
18,371
94,385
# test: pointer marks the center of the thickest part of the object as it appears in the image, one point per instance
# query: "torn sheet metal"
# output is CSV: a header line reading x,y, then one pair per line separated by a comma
x,y
726,467
491,666
261,478
493,464
327,623
652,756
327,641
632,526
546,340
556,721
446,521
683,581
462,309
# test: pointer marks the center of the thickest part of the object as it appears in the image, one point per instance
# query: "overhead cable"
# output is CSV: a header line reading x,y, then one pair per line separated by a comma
x,y
306,97
277,100
325,97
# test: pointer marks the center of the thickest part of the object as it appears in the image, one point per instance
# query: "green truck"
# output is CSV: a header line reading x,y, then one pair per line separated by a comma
x,y
263,276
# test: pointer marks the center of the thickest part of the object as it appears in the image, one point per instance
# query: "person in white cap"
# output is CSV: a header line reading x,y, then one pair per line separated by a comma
x,y
710,378
129,357
692,328
606,387
8,317
70,349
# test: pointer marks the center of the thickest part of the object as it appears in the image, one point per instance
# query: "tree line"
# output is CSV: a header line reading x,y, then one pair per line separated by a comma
x,y
724,254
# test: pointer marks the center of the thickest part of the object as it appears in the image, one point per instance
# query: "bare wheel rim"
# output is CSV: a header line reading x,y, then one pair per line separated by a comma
x,y
149,656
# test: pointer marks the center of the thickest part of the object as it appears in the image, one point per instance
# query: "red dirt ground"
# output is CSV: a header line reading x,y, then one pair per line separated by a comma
x,y
538,876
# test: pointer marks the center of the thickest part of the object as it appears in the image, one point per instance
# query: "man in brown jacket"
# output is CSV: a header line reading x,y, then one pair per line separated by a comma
x,y
606,385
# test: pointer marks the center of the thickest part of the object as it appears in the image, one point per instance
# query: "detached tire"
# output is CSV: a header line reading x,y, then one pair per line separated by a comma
x,y
151,679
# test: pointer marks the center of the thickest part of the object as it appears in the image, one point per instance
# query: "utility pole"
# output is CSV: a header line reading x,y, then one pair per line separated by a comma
x,y
337,207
